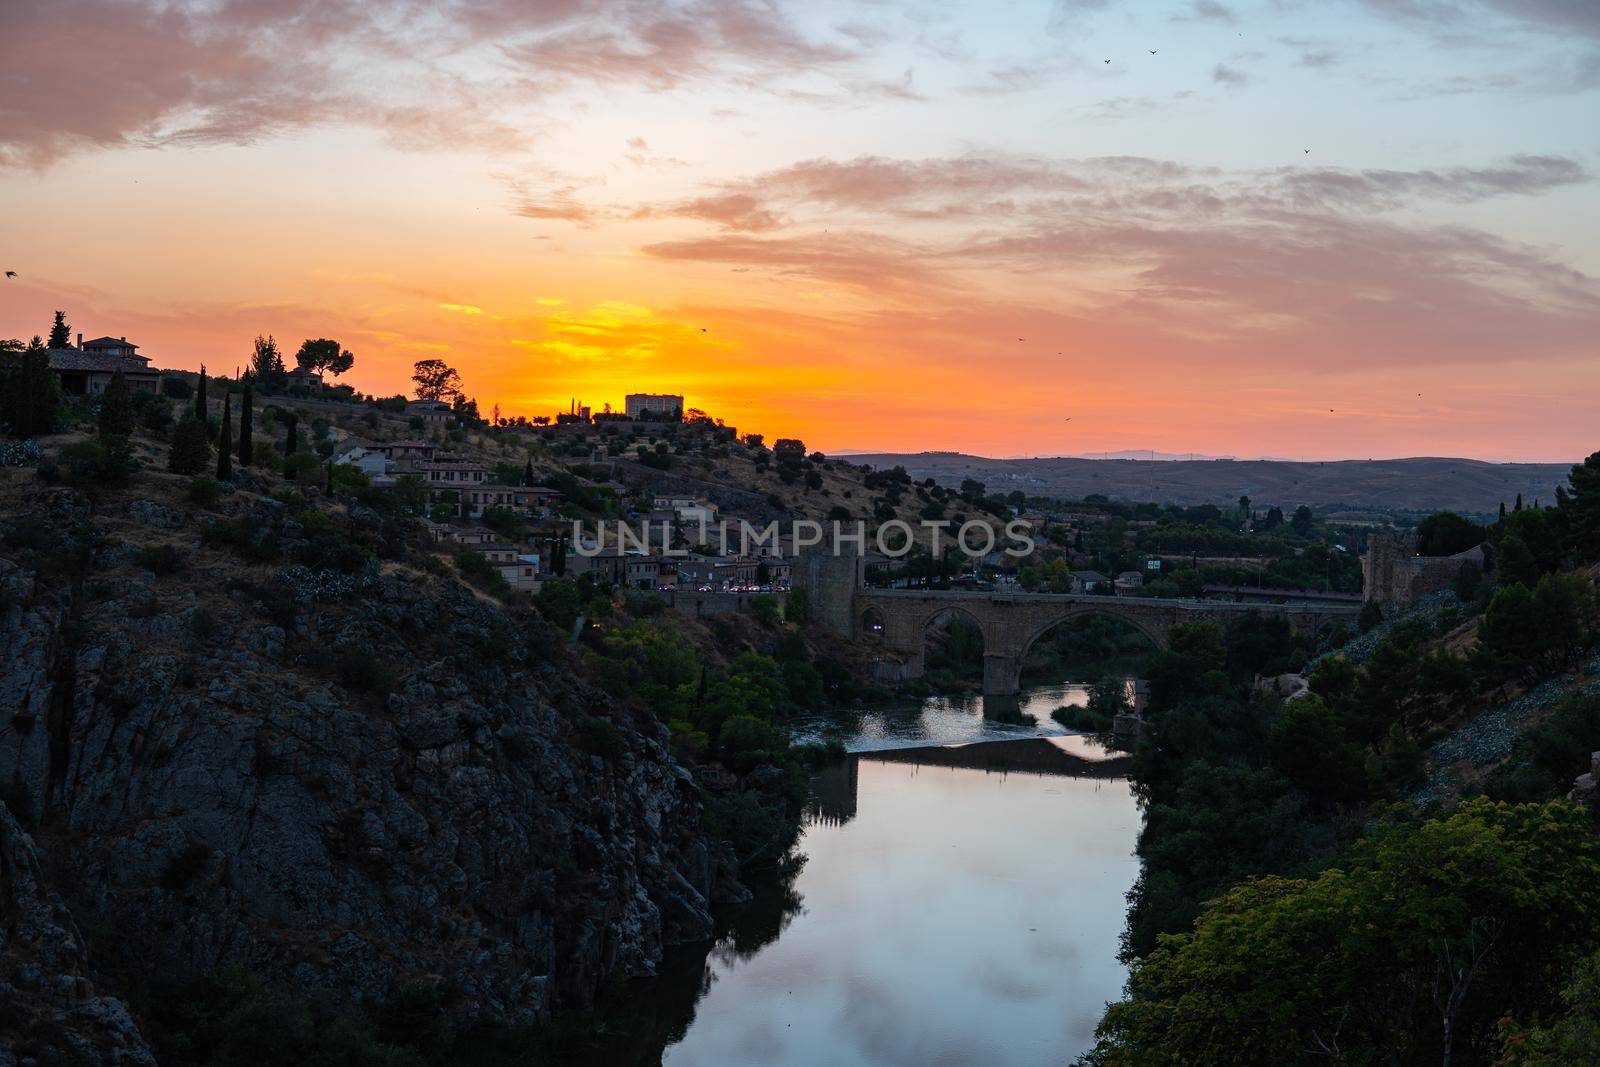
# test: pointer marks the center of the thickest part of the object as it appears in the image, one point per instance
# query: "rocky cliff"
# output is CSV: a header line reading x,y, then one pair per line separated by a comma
x,y
338,779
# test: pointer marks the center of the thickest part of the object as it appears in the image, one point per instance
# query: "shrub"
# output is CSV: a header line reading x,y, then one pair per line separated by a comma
x,y
765,609
598,737
205,492
191,447
106,460
475,568
177,388
303,467
159,559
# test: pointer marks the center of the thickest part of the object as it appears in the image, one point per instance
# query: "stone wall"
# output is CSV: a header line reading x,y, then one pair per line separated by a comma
x,y
1392,573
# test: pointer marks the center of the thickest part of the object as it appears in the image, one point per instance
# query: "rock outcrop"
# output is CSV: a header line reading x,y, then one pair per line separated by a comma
x,y
338,784
50,1011
1586,788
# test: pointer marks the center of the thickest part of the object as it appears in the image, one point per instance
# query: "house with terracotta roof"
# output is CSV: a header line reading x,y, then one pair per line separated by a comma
x,y
87,369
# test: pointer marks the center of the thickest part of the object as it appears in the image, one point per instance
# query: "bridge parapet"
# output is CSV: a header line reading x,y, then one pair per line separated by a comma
x,y
1011,622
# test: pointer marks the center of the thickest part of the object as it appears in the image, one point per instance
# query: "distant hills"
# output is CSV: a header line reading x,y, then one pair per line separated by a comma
x,y
1420,484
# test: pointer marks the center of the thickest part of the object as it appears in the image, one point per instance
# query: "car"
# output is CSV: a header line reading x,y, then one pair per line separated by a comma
x,y
705,589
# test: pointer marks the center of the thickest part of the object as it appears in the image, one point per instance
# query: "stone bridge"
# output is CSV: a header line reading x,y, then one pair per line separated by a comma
x,y
899,619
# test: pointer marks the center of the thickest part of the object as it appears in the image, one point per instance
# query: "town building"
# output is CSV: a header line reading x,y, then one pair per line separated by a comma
x,y
1089,582
431,412
1129,583
87,369
519,500
660,407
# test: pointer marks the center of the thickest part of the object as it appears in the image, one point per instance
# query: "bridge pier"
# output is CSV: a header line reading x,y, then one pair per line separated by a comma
x,y
1002,675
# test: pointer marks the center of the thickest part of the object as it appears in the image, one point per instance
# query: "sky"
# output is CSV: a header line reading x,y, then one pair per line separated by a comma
x,y
1304,228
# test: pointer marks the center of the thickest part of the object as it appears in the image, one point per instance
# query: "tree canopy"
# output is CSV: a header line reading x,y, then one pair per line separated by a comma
x,y
435,380
324,355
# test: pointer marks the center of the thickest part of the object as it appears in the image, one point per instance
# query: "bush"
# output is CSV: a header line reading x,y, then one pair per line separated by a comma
x,y
303,467
104,461
598,737
475,568
205,492
159,559
360,671
177,388
765,609
191,447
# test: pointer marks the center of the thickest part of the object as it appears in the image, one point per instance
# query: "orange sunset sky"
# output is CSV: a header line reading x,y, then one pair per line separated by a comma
x,y
1347,228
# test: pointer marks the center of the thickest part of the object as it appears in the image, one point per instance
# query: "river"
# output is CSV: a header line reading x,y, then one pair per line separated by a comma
x,y
956,905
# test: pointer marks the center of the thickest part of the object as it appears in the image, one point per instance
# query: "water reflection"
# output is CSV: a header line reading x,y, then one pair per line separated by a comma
x,y
957,905
943,720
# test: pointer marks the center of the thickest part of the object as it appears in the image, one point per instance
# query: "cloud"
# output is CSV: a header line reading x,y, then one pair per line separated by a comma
x,y
1209,11
79,75
1223,74
1302,256
662,47
865,260
1467,17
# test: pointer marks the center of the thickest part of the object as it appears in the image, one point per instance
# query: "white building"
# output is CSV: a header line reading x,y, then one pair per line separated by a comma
x,y
652,406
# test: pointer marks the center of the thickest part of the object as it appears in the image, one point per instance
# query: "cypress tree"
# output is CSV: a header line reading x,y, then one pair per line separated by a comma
x,y
245,418
527,473
35,393
225,441
60,332
200,398
291,439
191,452
115,418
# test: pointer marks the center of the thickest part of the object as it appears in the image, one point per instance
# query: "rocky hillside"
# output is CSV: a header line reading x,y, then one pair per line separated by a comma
x,y
340,779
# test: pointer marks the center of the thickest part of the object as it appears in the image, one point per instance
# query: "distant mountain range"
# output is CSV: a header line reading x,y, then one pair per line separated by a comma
x,y
1421,484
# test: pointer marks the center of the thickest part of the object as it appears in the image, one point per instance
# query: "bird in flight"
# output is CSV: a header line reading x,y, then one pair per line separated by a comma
x,y
1152,51
1067,419
1308,151
11,274
1108,61
702,329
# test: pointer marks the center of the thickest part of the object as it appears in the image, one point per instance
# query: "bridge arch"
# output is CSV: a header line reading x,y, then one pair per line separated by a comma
x,y
1156,637
872,623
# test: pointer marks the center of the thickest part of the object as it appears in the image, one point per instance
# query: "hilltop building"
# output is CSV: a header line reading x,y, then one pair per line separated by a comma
x,y
87,369
657,406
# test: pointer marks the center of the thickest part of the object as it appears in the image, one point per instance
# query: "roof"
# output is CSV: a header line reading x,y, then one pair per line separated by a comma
x,y
403,444
436,405
120,342
1090,576
304,372
77,359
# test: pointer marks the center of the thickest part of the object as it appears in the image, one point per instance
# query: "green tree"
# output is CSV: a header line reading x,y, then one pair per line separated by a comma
x,y
246,424
191,448
797,604
265,360
435,380
201,410
1408,951
1582,509
33,394
115,417
1446,533
60,332
324,355
225,441
1302,521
